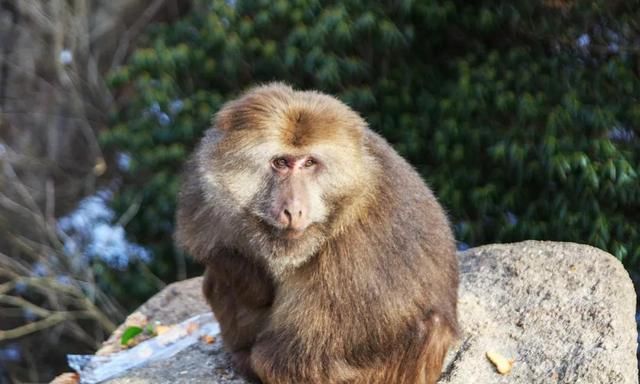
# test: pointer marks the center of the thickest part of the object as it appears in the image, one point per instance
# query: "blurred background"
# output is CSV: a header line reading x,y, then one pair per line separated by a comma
x,y
523,115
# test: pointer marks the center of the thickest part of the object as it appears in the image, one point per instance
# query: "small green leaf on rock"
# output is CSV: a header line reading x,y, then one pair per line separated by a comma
x,y
129,334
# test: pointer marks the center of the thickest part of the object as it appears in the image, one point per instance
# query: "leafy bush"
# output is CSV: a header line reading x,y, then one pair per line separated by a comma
x,y
524,116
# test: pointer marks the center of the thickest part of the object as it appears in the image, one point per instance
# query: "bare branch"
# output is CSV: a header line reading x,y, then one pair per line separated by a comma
x,y
24,304
40,325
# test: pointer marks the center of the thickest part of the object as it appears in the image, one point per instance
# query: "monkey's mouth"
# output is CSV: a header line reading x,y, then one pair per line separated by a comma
x,y
291,234
278,232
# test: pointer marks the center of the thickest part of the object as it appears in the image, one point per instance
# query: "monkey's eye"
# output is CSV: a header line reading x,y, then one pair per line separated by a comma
x,y
309,163
279,163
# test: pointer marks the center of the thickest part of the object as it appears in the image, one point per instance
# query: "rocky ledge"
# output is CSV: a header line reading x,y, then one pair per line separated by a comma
x,y
562,312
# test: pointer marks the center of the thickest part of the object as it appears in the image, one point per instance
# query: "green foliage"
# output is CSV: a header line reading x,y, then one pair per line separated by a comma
x,y
523,117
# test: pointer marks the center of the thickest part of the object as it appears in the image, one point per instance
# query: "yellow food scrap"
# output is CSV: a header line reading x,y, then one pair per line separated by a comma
x,y
160,329
503,365
208,339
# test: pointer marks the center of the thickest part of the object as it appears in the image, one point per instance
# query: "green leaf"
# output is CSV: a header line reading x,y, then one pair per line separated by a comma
x,y
129,334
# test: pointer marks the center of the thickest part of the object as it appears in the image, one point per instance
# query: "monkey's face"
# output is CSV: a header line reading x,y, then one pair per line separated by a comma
x,y
295,201
281,160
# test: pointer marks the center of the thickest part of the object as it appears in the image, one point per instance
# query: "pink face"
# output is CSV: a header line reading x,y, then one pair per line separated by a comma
x,y
291,202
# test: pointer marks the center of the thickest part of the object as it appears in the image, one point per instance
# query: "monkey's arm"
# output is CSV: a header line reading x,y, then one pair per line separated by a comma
x,y
240,295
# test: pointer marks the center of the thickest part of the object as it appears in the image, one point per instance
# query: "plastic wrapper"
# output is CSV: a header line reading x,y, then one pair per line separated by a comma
x,y
95,369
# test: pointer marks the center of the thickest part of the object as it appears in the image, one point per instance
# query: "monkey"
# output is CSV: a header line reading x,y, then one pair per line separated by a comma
x,y
327,257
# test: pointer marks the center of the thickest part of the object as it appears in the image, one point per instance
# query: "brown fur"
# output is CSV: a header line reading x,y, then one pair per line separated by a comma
x,y
368,293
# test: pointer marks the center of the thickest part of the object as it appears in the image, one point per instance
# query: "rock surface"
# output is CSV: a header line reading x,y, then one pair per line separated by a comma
x,y
564,312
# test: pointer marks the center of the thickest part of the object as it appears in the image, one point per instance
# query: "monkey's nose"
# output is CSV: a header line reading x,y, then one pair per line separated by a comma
x,y
287,215
292,218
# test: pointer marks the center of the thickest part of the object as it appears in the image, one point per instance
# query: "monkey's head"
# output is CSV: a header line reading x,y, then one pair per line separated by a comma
x,y
284,168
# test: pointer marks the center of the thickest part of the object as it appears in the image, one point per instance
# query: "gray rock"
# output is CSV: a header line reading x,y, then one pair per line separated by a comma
x,y
564,312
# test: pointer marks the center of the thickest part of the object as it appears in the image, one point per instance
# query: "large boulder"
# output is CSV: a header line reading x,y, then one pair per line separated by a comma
x,y
564,312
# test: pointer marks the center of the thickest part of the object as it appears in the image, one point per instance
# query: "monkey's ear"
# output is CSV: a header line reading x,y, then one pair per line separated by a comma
x,y
223,119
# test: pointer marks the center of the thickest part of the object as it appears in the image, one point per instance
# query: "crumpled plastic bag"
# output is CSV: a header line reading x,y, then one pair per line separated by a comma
x,y
94,369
